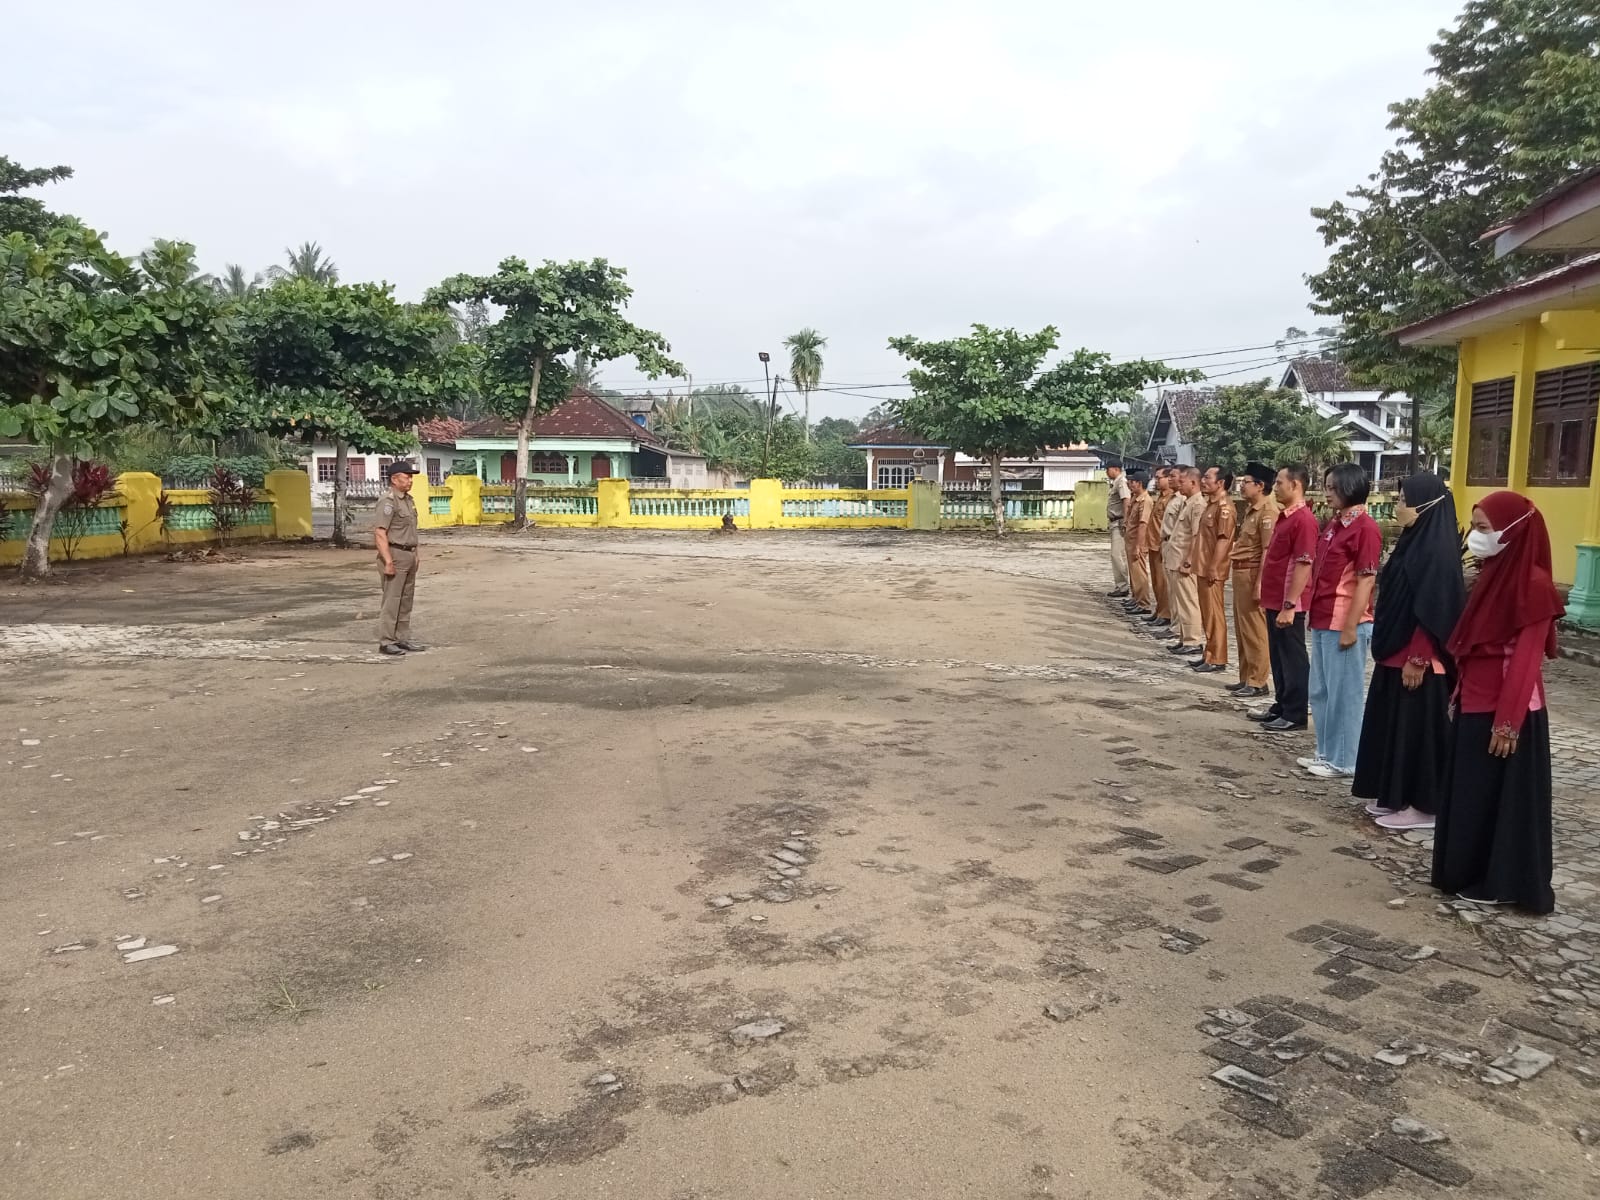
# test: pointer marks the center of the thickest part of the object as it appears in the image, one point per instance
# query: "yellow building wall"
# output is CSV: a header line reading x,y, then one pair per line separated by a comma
x,y
1559,339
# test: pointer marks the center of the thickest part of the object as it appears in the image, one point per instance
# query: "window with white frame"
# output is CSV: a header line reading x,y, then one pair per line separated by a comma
x,y
898,473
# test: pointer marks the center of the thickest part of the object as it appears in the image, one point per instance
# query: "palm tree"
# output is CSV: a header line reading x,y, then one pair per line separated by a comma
x,y
308,262
234,285
584,373
805,365
1320,443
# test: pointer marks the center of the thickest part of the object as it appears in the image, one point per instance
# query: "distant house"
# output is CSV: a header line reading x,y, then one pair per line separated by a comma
x,y
581,440
1379,424
1172,436
436,441
895,457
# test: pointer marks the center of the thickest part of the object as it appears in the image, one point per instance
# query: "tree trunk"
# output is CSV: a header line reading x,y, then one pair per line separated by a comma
x,y
997,498
36,553
341,494
519,490
807,394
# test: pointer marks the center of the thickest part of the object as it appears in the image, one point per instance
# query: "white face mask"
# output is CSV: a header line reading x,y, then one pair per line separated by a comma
x,y
1487,545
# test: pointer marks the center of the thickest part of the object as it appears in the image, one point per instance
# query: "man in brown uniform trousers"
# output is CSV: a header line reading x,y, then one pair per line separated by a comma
x,y
1249,545
1211,557
1152,548
1178,557
1135,513
395,532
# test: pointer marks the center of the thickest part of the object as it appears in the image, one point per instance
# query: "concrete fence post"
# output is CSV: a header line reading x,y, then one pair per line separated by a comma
x,y
466,499
139,490
1089,498
922,512
766,503
290,494
612,503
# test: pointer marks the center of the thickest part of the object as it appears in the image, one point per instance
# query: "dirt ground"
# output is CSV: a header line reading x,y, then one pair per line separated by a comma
x,y
778,852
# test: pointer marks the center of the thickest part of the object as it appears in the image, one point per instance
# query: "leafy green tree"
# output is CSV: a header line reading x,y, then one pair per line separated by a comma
x,y
1319,442
24,214
831,438
1250,422
345,363
96,344
805,365
234,285
307,262
1513,110
986,395
552,314
1130,433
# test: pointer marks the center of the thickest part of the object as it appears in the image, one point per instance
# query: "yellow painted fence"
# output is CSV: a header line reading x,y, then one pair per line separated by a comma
x,y
765,504
130,521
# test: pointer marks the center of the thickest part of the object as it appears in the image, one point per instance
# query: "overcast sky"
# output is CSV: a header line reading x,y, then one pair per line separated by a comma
x,y
1137,175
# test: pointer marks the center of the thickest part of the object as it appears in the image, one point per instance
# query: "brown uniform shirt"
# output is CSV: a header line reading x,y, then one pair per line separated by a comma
x,y
1255,530
397,513
1215,546
1152,530
1136,514
1181,541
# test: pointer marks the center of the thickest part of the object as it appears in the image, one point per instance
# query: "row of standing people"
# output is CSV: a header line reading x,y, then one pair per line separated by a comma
x,y
1452,734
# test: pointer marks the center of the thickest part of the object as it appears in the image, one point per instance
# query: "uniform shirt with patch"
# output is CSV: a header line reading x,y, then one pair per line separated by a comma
x,y
1350,549
397,516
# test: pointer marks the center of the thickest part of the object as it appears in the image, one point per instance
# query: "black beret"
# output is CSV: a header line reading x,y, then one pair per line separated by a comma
x,y
399,468
1260,472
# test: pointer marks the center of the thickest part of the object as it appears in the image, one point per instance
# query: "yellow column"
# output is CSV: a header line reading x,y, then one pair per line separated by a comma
x,y
922,511
612,503
1522,408
140,489
466,499
766,503
290,492
1089,498
1461,435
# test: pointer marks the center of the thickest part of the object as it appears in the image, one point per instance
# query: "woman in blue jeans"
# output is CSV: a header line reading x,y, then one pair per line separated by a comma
x,y
1349,553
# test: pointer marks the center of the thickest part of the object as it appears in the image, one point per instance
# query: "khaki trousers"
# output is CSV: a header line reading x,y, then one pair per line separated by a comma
x,y
1214,618
394,618
1139,580
1119,556
1158,581
1185,593
1250,627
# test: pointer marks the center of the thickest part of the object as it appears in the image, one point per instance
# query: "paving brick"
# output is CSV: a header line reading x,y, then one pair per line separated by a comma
x,y
1246,1060
1359,931
1245,843
1385,961
1276,1025
1469,961
1327,1018
1310,934
1352,987
1272,1117
1260,866
1529,1022
1425,1162
1238,881
1337,968
1452,991
1359,1173
1160,866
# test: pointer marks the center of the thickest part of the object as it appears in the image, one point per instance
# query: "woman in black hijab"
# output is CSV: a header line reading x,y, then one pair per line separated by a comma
x,y
1403,761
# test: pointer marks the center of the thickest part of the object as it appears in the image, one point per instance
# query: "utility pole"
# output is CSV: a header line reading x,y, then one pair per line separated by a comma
x,y
772,399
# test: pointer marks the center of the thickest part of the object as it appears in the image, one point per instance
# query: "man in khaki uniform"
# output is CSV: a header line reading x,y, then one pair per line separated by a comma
x,y
1116,504
1136,514
1152,549
395,532
1211,557
1249,546
1177,556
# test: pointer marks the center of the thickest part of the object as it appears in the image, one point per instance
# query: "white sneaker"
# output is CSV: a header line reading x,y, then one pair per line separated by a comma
x,y
1324,770
1305,764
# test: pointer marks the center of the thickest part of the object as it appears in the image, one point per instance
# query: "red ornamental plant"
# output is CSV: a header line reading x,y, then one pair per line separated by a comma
x,y
92,485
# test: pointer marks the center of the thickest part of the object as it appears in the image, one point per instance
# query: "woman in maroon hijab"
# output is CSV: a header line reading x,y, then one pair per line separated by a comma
x,y
1492,843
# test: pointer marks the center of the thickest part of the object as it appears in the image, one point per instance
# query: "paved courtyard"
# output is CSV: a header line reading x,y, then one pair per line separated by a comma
x,y
697,868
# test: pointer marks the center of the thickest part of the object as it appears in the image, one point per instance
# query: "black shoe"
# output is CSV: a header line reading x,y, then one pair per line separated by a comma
x,y
1282,726
1180,648
1238,689
1266,717
1116,592
1252,693
411,647
393,649
1205,668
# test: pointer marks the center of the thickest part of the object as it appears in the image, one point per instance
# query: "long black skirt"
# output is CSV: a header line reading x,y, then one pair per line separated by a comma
x,y
1404,757
1493,837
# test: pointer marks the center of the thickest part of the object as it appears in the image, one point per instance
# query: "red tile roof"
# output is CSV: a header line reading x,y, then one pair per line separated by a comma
x,y
441,432
891,435
1184,403
1323,375
580,415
